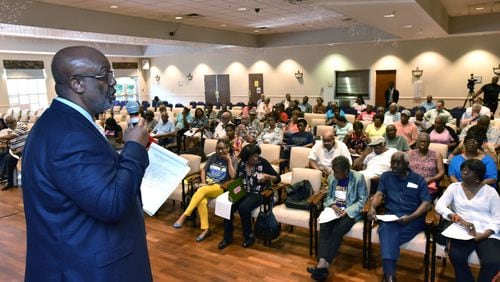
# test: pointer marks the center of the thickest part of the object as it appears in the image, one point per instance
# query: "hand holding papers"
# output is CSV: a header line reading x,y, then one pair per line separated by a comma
x,y
387,217
327,215
456,231
165,171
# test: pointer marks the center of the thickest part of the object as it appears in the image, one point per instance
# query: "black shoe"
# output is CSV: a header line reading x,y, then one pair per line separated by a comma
x,y
248,242
7,187
224,243
319,274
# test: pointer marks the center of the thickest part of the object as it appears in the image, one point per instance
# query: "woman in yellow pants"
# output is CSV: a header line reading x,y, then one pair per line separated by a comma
x,y
219,168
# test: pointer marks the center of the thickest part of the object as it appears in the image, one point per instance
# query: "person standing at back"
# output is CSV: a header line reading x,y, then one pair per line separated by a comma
x,y
391,95
490,91
82,199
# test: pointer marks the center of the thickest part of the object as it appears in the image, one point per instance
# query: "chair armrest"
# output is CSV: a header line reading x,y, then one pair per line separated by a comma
x,y
432,218
267,193
224,184
192,176
316,198
367,207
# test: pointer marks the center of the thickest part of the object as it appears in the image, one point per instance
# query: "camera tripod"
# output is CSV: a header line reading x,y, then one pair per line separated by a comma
x,y
469,98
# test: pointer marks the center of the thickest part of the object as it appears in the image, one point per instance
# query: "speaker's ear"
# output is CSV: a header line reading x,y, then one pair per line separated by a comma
x,y
77,85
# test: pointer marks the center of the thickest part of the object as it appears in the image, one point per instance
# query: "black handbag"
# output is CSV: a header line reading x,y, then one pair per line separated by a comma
x,y
297,195
266,226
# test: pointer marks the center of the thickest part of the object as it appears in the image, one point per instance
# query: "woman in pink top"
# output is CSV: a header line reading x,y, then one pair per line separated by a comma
x,y
427,163
443,134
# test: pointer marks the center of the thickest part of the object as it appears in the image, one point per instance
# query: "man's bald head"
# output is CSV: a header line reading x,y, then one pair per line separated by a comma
x,y
328,139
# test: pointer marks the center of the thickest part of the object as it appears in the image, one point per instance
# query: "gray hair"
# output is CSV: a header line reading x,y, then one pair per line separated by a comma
x,y
401,155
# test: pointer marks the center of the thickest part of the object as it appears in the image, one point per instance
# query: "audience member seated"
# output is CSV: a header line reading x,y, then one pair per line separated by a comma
x,y
220,131
156,102
324,151
392,140
333,113
392,115
271,134
291,126
427,163
247,132
492,133
255,122
265,108
211,116
292,108
359,105
164,130
256,174
374,161
301,138
356,140
431,115
182,124
7,134
223,109
380,111
428,104
220,167
198,127
406,129
342,128
235,141
151,122
287,102
279,110
347,195
305,107
471,115
419,121
377,128
113,132
319,108
10,160
404,194
443,134
474,206
366,115
472,146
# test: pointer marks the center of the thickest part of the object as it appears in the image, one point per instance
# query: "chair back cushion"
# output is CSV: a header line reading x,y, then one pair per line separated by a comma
x,y
193,162
440,148
313,175
299,157
270,152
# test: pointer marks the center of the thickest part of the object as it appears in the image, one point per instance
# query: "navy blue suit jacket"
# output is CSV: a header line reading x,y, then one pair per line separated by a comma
x,y
82,203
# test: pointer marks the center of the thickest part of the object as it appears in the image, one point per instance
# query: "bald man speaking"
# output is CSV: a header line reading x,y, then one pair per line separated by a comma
x,y
81,199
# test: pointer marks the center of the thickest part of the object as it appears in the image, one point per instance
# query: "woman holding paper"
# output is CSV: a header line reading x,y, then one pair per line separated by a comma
x,y
476,209
219,168
256,175
346,198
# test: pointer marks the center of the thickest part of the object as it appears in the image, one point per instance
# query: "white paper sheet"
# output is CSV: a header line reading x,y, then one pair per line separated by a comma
x,y
223,206
165,171
327,215
387,217
456,231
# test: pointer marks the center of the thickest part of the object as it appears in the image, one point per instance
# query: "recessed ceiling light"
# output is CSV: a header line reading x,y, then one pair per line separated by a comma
x,y
113,7
256,31
223,25
420,32
479,8
178,18
330,44
390,15
408,26
242,9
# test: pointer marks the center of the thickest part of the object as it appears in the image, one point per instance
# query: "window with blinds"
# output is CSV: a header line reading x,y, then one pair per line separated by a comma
x,y
26,85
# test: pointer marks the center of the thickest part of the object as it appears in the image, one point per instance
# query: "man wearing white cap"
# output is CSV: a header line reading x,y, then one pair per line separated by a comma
x,y
375,163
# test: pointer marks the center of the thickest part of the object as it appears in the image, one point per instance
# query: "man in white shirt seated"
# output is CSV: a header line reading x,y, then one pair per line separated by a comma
x,y
392,115
471,114
323,153
431,115
164,130
373,164
220,129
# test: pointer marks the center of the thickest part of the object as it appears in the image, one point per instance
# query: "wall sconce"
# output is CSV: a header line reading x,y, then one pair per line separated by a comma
x,y
189,76
157,77
417,73
496,70
298,74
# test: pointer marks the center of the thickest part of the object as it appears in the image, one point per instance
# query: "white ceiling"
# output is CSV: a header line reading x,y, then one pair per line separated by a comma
x,y
276,23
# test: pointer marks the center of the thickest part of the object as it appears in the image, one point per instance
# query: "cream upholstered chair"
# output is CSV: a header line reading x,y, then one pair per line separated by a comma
x,y
350,118
321,129
208,149
296,217
310,116
315,122
271,153
298,159
440,148
193,175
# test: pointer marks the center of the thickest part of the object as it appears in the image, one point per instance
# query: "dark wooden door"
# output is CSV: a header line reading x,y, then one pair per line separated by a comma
x,y
217,89
383,77
255,86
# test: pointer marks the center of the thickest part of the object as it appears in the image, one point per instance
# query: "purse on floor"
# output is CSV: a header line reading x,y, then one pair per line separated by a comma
x,y
266,226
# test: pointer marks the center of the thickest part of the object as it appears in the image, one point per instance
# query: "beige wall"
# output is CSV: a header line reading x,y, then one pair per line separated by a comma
x,y
447,64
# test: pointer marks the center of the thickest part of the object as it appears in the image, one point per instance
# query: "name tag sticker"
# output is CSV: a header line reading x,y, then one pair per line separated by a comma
x,y
412,185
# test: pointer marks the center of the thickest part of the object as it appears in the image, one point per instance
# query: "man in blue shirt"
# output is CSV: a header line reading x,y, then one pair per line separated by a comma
x,y
428,104
406,196
164,130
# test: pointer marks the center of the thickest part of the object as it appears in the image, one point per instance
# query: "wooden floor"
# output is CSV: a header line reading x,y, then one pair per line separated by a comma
x,y
175,256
